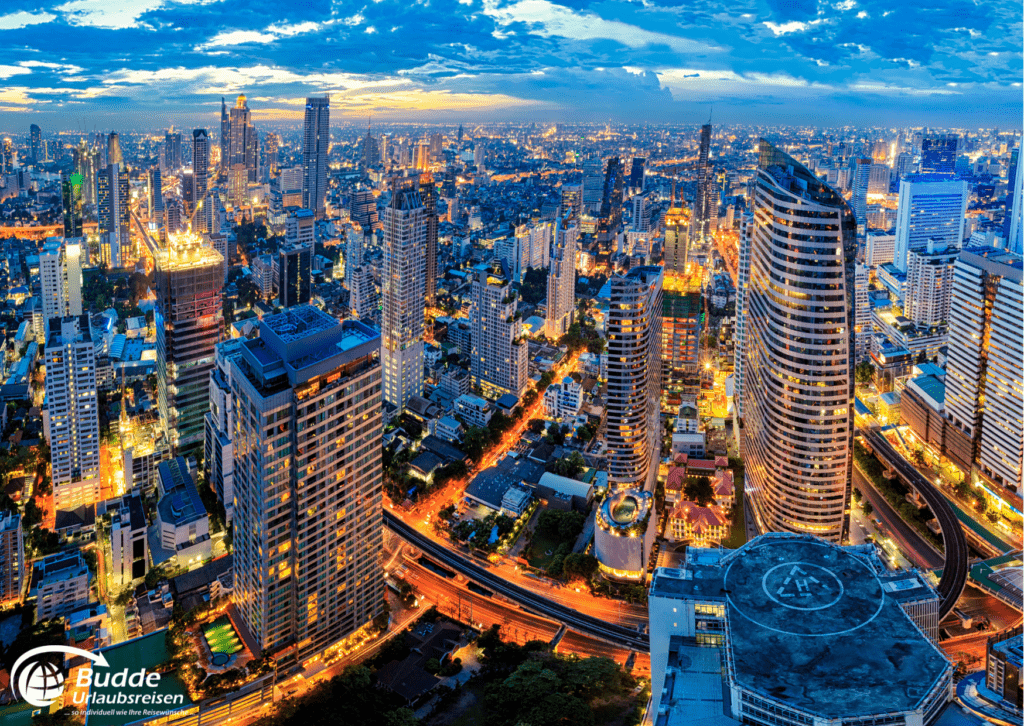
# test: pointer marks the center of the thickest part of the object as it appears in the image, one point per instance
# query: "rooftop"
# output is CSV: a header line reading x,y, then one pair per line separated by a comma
x,y
180,503
800,613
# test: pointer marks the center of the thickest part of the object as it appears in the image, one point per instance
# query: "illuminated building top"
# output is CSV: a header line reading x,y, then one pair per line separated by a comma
x,y
185,250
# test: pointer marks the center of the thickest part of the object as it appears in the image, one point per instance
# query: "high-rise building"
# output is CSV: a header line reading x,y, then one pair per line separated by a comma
x,y
271,148
799,351
929,284
308,482
371,156
189,321
436,151
742,290
242,154
112,209
636,175
930,207
641,213
316,143
172,151
1013,229
155,196
498,350
592,187
403,289
938,153
878,179
290,184
680,337
862,325
480,156
611,201
114,153
984,390
572,198
72,412
71,201
561,302
355,242
634,377
12,558
534,244
200,177
218,443
861,183
225,139
705,186
428,195
60,277
362,209
129,547
677,236
35,143
294,266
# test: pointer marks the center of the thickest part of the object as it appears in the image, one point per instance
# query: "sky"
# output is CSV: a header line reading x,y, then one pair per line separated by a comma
x,y
141,64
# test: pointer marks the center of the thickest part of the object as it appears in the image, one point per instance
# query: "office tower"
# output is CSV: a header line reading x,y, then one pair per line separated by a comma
x,y
861,183
705,185
35,143
362,209
188,192
572,199
219,427
930,208
225,138
799,351
742,290
71,200
403,290
308,482
155,196
271,147
680,337
793,630
290,184
189,321
904,164
242,154
115,155
371,156
100,146
436,150
316,143
878,179
355,241
479,155
929,284
172,151
881,248
72,412
634,377
175,215
636,175
592,187
938,154
7,155
294,264
60,276
984,393
677,235
428,195
641,213
561,303
498,350
112,210
421,158
879,152
611,202
200,176
12,558
1013,229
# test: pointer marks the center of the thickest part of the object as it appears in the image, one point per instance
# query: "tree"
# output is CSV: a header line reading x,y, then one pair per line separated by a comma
x,y
475,441
570,466
868,509
580,565
699,490
537,425
864,372
534,288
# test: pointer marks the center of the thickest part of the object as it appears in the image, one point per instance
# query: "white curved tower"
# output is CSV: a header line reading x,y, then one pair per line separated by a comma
x,y
799,351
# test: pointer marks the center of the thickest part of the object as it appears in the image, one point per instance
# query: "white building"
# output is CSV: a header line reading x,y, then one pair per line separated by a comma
x,y
563,400
498,351
60,277
60,584
129,548
561,303
881,248
300,228
403,291
474,410
862,312
72,412
264,272
181,518
449,429
931,207
218,443
929,284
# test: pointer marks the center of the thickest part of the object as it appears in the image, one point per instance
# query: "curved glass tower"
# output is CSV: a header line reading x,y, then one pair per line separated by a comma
x,y
799,351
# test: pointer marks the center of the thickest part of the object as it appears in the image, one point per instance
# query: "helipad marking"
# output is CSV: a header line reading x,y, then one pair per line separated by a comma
x,y
802,588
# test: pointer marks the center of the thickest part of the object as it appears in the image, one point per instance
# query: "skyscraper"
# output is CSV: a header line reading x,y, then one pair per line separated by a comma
x,y
742,287
189,322
172,151
611,201
403,287
112,210
295,259
1013,230
60,277
799,351
71,200
72,412
677,235
636,175
929,284
225,138
680,337
938,153
592,186
705,185
155,196
371,156
114,154
35,143
362,209
12,558
634,377
200,176
930,207
561,302
316,143
308,482
984,391
498,351
861,183
242,154
428,195
218,445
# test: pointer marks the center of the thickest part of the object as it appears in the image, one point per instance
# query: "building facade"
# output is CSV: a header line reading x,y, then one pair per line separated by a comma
x,y
931,208
498,358
561,301
316,143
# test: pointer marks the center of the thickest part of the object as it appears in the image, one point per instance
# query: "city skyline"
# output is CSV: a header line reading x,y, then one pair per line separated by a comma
x,y
524,60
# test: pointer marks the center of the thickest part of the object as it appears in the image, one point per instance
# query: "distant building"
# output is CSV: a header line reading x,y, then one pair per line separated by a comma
x,y
561,300
316,142
938,153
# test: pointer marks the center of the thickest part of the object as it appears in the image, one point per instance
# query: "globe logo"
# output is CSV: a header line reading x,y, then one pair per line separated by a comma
x,y
41,682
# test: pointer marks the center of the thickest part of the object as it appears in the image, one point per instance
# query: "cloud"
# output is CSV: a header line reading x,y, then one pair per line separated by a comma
x,y
23,18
